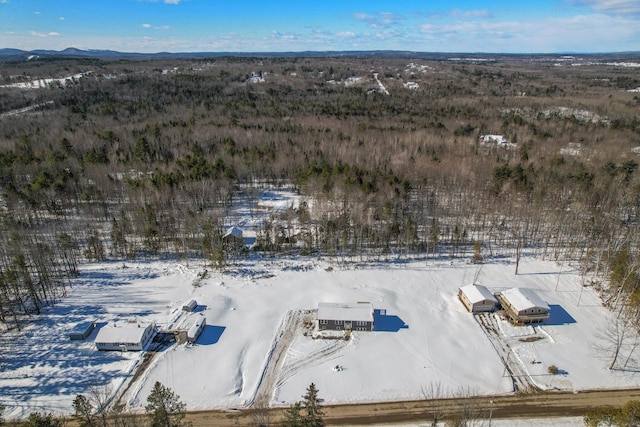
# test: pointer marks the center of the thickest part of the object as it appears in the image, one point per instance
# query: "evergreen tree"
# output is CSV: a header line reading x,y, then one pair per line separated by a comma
x,y
83,411
312,410
292,416
36,419
165,408
306,413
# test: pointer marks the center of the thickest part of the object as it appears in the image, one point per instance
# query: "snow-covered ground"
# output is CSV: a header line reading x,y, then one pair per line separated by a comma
x,y
426,337
43,83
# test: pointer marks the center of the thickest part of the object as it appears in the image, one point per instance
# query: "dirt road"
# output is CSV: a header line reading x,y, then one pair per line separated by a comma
x,y
270,373
538,405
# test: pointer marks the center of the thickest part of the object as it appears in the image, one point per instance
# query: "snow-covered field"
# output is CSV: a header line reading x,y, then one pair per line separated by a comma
x,y
426,338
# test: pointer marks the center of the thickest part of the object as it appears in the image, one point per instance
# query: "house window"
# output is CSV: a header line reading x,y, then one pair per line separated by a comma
x,y
361,323
323,321
338,322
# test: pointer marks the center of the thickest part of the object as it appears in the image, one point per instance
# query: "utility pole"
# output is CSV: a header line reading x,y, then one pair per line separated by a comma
x,y
490,411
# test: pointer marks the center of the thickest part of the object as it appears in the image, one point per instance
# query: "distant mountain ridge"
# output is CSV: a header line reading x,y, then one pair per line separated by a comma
x,y
10,54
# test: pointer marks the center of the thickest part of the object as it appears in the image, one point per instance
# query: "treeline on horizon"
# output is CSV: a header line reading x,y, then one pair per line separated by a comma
x,y
144,159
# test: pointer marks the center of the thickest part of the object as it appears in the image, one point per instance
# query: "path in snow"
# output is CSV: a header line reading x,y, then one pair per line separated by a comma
x,y
519,375
26,109
322,354
292,325
381,87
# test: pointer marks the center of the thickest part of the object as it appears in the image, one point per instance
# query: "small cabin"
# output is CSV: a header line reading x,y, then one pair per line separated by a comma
x,y
233,240
477,298
196,329
348,317
81,331
190,305
124,336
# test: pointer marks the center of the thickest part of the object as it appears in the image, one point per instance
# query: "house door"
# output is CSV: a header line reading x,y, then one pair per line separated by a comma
x,y
347,325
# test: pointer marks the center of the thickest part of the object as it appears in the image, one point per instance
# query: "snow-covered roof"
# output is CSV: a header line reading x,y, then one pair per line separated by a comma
x,y
197,326
234,231
478,293
492,138
362,311
122,332
524,299
190,305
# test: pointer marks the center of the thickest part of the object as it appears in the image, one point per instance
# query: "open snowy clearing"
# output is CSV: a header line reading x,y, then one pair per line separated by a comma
x,y
426,337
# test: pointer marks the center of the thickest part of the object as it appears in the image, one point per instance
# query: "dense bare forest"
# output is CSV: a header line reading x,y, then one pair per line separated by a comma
x,y
477,157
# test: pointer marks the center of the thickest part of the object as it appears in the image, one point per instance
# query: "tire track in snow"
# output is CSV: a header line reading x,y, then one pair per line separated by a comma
x,y
323,354
291,324
519,375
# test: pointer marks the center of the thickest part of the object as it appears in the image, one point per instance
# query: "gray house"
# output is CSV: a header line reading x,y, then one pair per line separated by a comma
x,y
348,317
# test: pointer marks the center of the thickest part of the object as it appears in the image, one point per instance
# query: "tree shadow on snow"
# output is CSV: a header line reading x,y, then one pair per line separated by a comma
x,y
210,335
385,323
558,316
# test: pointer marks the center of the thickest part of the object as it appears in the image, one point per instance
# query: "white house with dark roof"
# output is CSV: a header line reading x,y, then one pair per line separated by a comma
x,y
524,306
351,317
124,336
477,298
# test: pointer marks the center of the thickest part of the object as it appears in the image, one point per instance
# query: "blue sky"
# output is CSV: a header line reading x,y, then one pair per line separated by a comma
x,y
515,26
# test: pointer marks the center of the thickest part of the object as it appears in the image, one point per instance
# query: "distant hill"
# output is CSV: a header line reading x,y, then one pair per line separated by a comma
x,y
17,55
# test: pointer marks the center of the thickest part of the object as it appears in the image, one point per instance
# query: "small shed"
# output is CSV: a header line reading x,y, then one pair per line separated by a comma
x,y
523,306
124,336
190,305
350,317
196,329
81,331
477,298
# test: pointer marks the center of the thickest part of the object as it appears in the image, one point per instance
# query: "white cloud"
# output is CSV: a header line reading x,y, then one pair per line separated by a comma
x,y
42,35
281,36
583,33
476,13
362,17
381,20
346,34
61,18
172,1
611,6
37,13
159,27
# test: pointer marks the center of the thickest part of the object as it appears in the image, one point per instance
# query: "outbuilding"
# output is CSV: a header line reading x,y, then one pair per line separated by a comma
x,y
81,331
196,329
124,336
523,306
477,298
190,305
350,317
